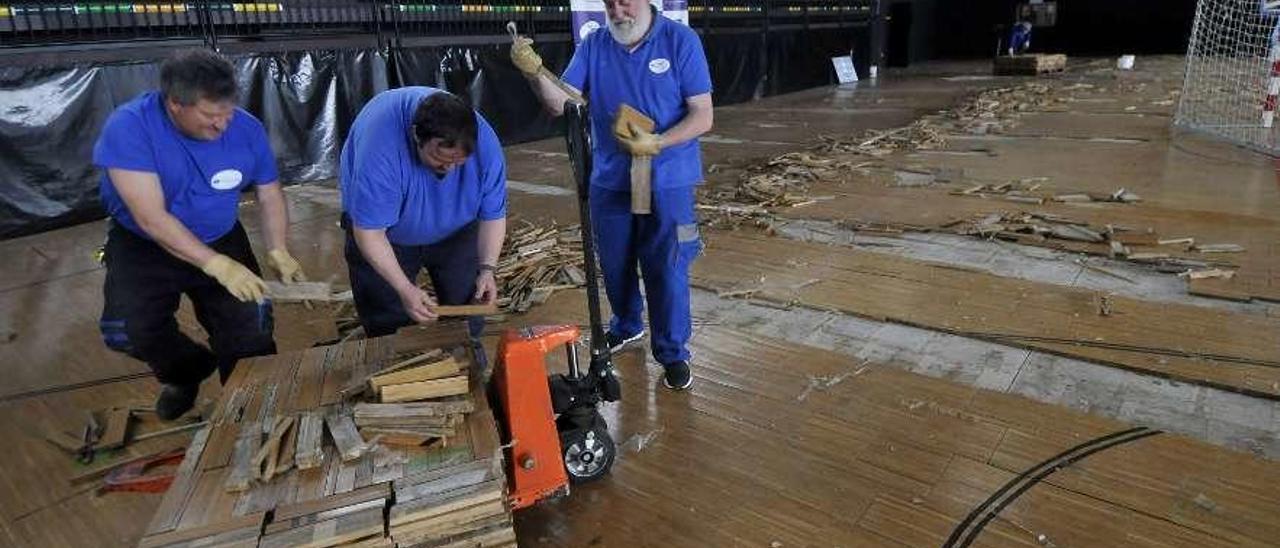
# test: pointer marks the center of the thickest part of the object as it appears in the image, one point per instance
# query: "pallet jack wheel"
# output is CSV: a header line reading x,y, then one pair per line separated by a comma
x,y
588,451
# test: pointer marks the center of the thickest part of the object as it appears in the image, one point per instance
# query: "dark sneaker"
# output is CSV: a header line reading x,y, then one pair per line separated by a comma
x,y
176,399
677,376
618,342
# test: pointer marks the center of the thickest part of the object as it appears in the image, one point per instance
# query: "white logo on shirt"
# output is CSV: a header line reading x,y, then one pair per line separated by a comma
x,y
659,66
588,28
226,179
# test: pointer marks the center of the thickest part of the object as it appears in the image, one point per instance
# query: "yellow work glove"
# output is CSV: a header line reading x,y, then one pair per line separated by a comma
x,y
523,56
639,142
241,282
284,264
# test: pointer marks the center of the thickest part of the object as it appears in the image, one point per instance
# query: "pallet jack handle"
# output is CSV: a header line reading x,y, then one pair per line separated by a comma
x,y
578,140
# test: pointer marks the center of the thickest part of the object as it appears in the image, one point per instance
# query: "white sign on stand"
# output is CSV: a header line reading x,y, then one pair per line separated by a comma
x,y
845,71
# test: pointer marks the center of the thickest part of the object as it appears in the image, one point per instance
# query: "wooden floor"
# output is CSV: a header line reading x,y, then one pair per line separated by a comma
x,y
778,444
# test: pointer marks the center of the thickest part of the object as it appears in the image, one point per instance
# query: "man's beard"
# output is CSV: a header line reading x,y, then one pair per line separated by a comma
x,y
626,31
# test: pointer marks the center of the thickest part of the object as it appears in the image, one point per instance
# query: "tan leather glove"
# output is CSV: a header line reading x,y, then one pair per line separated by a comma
x,y
639,142
241,282
523,56
284,264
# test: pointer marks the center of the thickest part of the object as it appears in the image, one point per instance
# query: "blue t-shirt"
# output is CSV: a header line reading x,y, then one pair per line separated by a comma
x,y
667,68
385,185
201,180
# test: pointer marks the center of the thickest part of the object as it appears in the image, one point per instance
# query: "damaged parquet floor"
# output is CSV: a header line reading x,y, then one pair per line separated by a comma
x,y
785,445
1187,343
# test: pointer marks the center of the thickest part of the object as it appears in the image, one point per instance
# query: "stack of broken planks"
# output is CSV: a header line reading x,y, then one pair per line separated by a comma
x,y
536,262
285,462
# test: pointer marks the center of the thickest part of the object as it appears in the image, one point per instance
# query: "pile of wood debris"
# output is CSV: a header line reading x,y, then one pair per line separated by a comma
x,y
782,182
1117,242
1029,191
536,261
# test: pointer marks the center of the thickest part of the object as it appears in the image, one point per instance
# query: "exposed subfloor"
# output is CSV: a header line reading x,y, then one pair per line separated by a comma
x,y
854,431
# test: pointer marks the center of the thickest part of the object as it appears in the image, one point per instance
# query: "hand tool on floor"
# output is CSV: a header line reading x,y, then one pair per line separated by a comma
x,y
542,71
554,433
132,475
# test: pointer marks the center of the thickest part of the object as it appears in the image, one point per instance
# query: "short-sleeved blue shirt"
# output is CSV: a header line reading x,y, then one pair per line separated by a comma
x,y
201,180
667,68
385,185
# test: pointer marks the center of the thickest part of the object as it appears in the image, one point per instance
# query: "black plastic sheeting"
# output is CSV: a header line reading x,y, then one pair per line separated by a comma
x,y
50,117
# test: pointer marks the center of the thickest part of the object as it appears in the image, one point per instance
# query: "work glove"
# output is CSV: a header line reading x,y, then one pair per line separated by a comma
x,y
639,142
284,264
523,56
241,282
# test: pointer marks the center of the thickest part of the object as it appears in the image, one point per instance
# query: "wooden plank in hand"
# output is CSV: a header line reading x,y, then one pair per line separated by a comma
x,y
449,311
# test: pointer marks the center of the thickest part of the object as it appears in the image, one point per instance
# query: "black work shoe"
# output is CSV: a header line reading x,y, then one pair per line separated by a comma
x,y
676,375
176,399
618,342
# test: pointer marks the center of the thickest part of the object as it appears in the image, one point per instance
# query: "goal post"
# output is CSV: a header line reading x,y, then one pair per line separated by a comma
x,y
1231,86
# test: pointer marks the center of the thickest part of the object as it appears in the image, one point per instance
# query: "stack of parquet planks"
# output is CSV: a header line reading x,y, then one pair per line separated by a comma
x,y
288,484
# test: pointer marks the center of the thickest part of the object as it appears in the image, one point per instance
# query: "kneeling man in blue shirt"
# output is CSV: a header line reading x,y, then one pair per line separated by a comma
x,y
656,66
174,164
423,185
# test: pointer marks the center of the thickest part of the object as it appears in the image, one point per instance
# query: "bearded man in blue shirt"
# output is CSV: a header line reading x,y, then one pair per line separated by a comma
x,y
658,67
424,186
174,164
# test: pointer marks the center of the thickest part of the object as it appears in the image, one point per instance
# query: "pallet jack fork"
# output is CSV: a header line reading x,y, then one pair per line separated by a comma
x,y
551,423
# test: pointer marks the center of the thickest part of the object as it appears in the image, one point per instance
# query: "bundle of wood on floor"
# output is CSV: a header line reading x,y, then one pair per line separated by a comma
x,y
537,261
1029,64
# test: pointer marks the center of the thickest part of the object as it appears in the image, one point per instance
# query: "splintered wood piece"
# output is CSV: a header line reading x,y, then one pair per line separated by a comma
x,y
288,448
406,440
462,523
443,480
438,504
242,469
448,311
439,388
438,408
416,360
345,436
331,532
117,429
1219,248
299,291
251,522
184,483
269,455
425,432
443,368
310,453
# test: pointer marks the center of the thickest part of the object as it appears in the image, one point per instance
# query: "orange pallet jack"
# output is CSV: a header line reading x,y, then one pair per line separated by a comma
x,y
551,426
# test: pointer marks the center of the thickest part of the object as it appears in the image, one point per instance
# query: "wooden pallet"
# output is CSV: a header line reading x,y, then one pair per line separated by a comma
x,y
448,492
1029,64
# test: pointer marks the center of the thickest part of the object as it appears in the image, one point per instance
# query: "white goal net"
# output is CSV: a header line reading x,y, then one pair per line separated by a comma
x,y
1232,82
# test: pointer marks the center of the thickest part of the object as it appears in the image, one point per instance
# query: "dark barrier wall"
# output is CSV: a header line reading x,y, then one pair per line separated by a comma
x,y
51,116
966,28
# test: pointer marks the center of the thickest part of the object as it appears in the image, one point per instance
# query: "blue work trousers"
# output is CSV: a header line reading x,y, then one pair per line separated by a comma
x,y
658,247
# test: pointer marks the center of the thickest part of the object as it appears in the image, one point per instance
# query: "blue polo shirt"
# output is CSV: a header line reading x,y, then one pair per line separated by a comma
x,y
385,185
668,67
201,180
